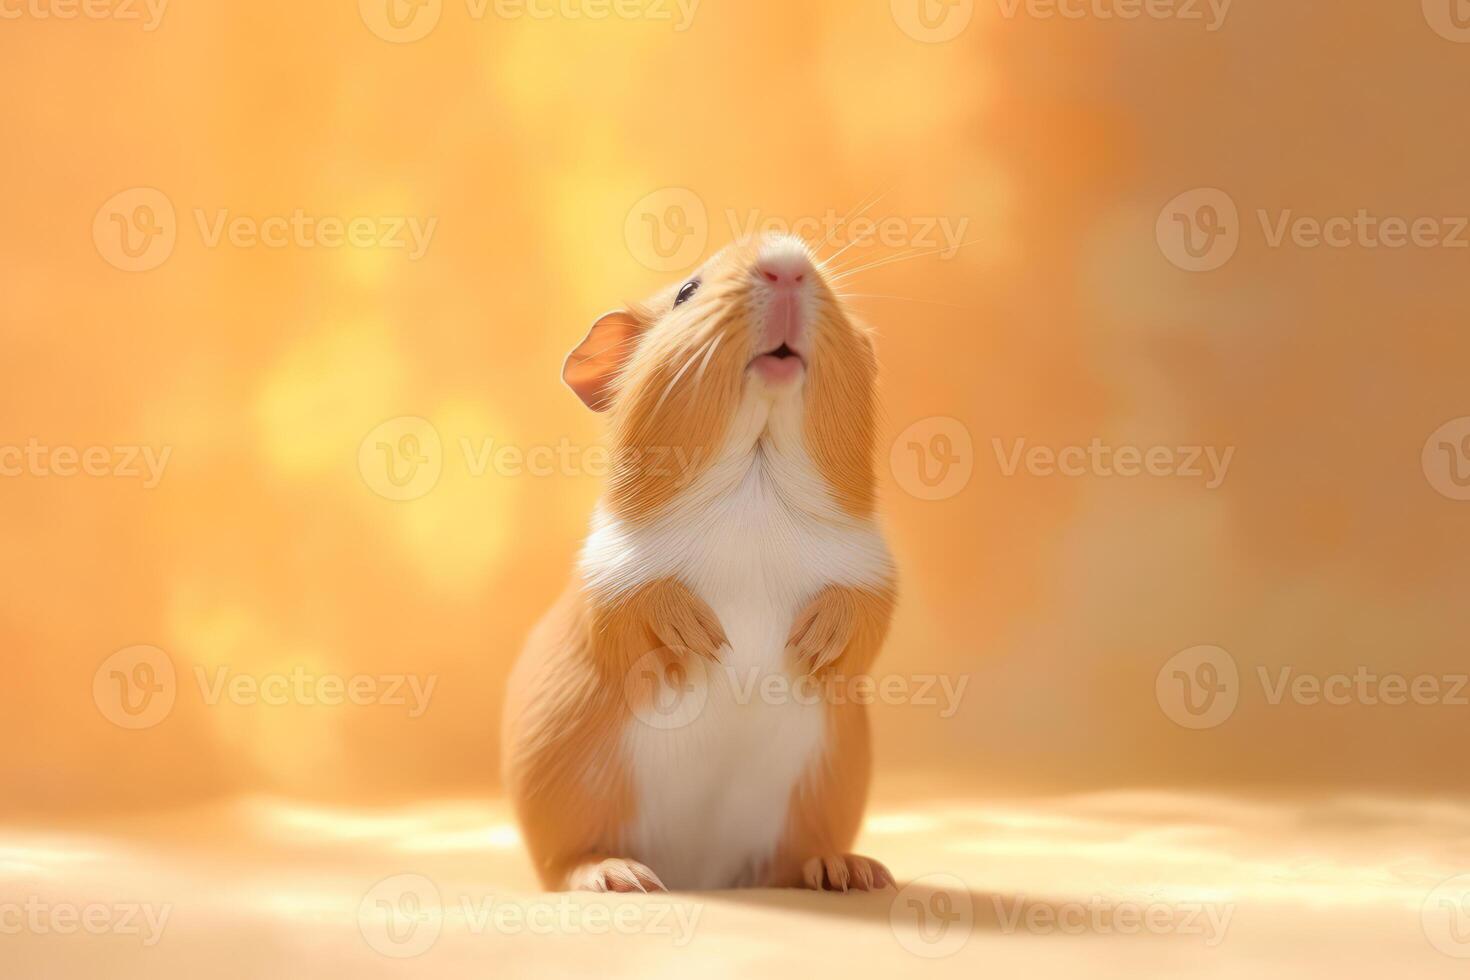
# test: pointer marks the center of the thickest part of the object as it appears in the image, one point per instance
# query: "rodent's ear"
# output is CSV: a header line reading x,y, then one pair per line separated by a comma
x,y
591,369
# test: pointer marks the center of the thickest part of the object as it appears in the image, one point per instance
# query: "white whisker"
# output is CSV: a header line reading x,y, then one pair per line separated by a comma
x,y
899,258
861,264
675,380
857,212
699,375
910,299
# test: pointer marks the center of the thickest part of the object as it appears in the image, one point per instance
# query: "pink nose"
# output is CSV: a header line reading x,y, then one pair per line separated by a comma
x,y
784,266
783,277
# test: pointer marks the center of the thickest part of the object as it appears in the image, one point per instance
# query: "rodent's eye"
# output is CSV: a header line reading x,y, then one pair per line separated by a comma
x,y
687,292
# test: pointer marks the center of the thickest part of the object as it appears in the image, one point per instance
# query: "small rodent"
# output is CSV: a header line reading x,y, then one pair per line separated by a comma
x,y
735,561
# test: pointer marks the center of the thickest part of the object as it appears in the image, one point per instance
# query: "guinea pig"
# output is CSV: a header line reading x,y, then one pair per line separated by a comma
x,y
678,719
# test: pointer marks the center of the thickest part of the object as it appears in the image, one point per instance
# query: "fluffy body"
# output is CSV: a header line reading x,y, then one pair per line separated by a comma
x,y
728,591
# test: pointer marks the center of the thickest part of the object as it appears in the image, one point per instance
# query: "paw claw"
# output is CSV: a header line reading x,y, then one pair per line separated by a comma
x,y
685,622
837,875
844,872
614,875
822,631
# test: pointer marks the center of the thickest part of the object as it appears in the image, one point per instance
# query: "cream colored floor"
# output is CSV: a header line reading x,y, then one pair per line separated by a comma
x,y
1102,885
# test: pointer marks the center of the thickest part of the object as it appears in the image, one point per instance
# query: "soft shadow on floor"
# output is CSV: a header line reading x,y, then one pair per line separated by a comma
x,y
915,904
1148,884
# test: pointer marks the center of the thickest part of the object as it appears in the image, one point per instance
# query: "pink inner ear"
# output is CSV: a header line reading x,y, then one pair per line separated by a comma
x,y
591,369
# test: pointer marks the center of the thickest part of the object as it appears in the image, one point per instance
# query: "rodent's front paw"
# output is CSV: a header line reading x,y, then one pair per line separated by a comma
x,y
841,872
682,620
613,875
823,630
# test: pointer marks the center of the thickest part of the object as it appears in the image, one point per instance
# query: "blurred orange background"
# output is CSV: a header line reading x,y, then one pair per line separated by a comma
x,y
539,156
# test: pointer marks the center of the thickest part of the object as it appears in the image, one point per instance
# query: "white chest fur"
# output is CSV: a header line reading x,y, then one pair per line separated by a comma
x,y
756,539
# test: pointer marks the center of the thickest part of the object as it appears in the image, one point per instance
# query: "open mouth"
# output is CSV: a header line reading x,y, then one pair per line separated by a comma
x,y
779,365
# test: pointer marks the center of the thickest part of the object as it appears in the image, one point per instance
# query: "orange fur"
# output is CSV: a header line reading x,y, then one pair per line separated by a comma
x,y
842,414
665,439
839,634
568,702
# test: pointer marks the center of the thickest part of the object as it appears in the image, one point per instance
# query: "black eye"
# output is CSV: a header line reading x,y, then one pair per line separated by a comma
x,y
687,292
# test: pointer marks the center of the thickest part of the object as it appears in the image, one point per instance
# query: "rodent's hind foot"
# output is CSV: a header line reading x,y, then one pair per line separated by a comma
x,y
845,872
613,875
